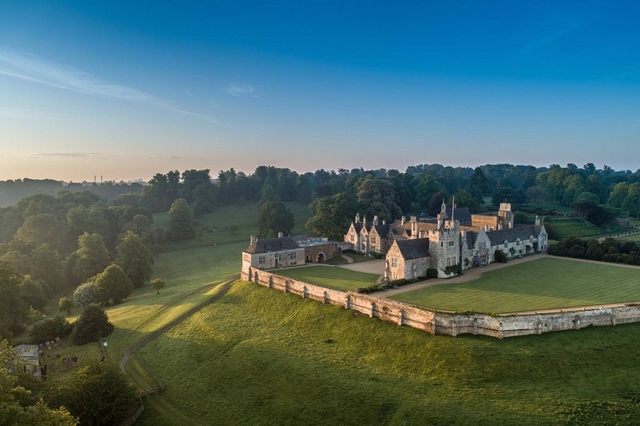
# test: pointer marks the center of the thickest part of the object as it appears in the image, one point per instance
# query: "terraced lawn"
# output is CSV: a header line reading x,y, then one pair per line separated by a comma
x,y
539,284
332,277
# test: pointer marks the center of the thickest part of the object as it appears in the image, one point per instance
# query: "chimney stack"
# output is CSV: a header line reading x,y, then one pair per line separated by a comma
x,y
279,234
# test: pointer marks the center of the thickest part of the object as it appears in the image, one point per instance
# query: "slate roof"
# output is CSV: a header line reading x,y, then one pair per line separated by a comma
x,y
267,245
471,238
461,214
382,230
414,249
522,231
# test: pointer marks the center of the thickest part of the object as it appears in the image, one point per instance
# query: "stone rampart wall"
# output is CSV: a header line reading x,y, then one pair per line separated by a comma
x,y
453,324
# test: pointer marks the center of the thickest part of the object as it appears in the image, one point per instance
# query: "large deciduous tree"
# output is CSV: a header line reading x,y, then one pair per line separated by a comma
x,y
376,198
13,310
93,256
135,259
274,217
181,225
46,265
92,325
332,215
112,284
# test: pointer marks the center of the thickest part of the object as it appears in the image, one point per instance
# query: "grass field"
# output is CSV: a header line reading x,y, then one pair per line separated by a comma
x,y
261,357
573,227
539,284
217,227
336,278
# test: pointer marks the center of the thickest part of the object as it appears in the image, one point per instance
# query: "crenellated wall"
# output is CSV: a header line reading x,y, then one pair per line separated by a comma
x,y
450,323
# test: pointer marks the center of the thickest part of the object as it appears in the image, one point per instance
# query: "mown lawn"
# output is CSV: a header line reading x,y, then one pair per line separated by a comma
x,y
332,277
573,227
539,284
261,357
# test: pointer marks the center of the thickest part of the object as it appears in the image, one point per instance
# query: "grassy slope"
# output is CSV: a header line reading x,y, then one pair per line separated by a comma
x,y
539,284
262,357
336,278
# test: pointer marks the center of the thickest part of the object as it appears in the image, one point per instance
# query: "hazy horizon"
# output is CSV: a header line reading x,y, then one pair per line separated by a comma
x,y
127,90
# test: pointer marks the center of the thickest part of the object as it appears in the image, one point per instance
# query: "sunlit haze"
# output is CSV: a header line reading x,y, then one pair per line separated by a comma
x,y
124,90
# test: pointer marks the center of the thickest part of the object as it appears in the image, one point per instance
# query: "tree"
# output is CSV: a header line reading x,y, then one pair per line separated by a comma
x,y
13,310
65,304
98,394
19,261
433,208
12,410
157,284
112,284
50,328
84,295
332,215
464,199
92,325
478,183
93,256
46,265
41,229
34,292
135,259
376,198
274,217
181,224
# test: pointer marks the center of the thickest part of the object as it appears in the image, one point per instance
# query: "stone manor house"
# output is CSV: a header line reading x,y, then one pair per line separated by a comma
x,y
454,237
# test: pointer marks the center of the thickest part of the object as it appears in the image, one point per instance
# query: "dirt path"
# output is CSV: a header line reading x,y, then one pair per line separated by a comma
x,y
223,290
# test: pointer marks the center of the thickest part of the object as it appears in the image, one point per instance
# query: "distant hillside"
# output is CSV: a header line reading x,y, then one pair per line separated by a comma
x,y
13,190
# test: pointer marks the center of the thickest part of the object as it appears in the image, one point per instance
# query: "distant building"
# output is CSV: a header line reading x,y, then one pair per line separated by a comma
x,y
454,237
29,358
283,252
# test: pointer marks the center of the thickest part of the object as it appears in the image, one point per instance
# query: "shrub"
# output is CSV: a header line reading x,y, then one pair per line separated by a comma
x,y
432,273
370,289
49,329
500,256
377,255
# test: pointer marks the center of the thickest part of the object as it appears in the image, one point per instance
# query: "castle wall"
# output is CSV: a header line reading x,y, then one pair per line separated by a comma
x,y
454,324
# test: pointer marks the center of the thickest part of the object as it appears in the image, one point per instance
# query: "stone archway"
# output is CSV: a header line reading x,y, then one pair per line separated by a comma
x,y
321,258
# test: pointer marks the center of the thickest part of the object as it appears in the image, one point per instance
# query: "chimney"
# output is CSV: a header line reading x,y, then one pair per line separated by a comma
x,y
537,220
357,217
384,221
252,239
279,234
375,220
402,220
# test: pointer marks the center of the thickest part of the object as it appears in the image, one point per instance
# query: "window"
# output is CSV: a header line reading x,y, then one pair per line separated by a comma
x,y
262,260
452,243
423,262
351,238
373,240
394,262
482,246
292,256
441,243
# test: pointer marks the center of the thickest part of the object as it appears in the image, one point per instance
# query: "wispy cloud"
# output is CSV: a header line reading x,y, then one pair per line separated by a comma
x,y
241,90
29,67
65,155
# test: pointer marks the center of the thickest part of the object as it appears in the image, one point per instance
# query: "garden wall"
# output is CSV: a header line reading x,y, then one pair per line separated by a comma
x,y
450,323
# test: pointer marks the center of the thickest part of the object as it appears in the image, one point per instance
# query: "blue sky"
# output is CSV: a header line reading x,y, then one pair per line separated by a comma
x,y
127,89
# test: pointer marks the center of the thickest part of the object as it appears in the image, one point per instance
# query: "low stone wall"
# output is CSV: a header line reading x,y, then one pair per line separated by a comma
x,y
450,323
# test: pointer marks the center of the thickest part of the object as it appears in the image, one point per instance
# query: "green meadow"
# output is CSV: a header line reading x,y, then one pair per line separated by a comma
x,y
331,277
261,357
539,284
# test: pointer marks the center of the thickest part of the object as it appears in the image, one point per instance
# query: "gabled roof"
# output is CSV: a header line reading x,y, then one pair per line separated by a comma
x,y
357,226
522,232
382,230
414,249
471,238
462,214
267,245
